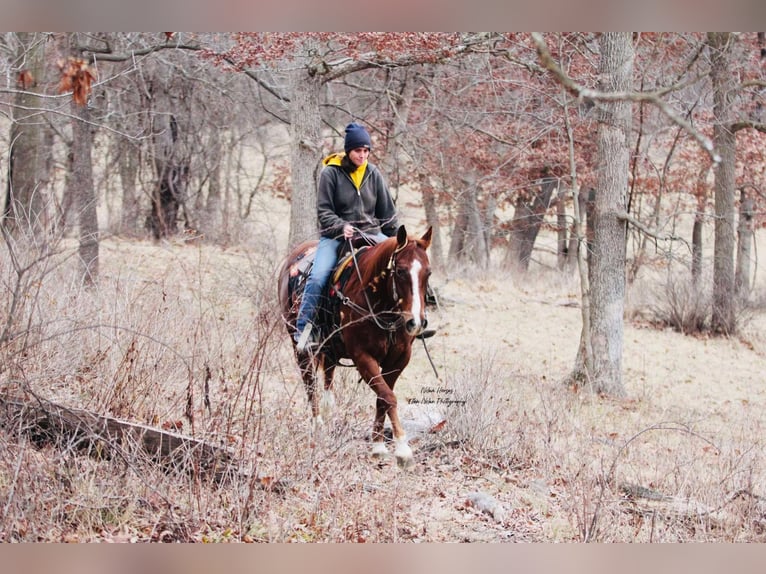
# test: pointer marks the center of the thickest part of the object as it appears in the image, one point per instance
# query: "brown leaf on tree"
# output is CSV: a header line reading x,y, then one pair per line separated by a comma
x,y
25,79
76,77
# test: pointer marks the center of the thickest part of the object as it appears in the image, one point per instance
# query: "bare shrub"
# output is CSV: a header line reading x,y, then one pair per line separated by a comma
x,y
681,305
494,414
187,337
159,341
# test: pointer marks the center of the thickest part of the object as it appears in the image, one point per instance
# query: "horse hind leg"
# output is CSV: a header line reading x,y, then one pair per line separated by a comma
x,y
327,402
308,369
378,437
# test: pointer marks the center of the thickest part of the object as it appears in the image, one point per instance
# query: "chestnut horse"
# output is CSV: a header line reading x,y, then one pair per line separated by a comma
x,y
371,316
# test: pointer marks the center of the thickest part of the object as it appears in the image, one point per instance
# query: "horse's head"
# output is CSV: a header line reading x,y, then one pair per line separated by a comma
x,y
410,269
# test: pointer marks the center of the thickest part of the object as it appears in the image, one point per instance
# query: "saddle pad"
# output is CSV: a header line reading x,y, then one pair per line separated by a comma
x,y
347,261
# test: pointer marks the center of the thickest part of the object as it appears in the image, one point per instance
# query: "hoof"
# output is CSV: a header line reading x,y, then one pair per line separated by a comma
x,y
405,463
327,404
403,454
379,450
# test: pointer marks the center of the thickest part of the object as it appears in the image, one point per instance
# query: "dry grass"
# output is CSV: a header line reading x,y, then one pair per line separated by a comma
x,y
188,334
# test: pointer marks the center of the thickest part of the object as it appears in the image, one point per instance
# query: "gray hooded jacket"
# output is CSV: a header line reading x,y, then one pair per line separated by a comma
x,y
369,208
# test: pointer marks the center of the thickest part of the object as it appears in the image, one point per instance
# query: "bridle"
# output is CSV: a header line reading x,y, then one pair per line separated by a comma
x,y
390,326
388,270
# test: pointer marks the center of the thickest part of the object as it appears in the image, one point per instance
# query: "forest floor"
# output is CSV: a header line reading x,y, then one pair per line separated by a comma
x,y
187,333
504,450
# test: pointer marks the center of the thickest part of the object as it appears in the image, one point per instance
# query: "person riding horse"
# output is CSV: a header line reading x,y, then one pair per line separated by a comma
x,y
376,311
353,198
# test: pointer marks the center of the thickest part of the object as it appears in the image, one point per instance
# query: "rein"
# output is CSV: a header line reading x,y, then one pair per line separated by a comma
x,y
389,326
393,325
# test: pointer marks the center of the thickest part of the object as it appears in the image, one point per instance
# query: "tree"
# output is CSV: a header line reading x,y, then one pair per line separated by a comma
x,y
724,140
693,171
732,115
169,117
528,218
608,260
744,246
312,61
599,359
26,198
77,77
305,146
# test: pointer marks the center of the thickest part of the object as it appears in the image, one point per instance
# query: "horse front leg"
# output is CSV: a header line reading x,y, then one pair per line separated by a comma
x,y
403,451
385,405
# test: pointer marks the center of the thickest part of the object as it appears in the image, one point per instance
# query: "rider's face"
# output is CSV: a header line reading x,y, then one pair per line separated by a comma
x,y
359,155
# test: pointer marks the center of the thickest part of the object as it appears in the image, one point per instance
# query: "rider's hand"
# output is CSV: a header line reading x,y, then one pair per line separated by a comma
x,y
348,231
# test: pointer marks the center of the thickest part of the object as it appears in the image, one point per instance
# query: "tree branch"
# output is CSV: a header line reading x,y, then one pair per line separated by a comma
x,y
753,84
581,92
346,66
625,216
736,126
101,55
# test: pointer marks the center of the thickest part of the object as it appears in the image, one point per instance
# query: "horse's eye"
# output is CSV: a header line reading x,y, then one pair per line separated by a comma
x,y
401,272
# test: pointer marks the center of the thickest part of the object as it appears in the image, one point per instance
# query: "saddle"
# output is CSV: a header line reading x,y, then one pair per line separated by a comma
x,y
326,319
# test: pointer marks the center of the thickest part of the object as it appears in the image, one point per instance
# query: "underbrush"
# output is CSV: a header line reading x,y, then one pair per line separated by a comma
x,y
186,339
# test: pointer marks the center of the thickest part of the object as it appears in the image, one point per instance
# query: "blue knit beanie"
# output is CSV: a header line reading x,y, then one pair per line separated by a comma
x,y
356,136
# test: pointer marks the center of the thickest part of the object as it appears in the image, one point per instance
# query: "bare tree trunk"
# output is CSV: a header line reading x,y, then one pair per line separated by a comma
x,y
432,219
459,231
305,153
580,208
82,189
214,223
25,199
697,248
172,174
528,218
128,151
583,365
744,247
562,229
608,259
469,237
723,318
128,165
590,225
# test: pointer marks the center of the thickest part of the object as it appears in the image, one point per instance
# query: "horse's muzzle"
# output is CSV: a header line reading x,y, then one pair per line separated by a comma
x,y
415,328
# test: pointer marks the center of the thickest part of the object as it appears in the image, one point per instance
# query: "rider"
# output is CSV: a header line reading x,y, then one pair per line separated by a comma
x,y
353,197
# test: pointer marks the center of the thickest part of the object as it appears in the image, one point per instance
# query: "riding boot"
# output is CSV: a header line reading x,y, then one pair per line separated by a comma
x,y
304,340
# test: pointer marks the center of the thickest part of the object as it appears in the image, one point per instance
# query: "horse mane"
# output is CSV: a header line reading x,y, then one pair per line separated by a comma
x,y
376,259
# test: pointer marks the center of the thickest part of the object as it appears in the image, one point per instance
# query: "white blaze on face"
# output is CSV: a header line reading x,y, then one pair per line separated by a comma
x,y
415,275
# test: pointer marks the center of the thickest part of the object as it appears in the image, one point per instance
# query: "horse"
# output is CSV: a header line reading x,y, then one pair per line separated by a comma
x,y
370,317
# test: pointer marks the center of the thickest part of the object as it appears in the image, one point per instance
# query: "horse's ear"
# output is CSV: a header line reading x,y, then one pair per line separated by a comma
x,y
401,236
426,238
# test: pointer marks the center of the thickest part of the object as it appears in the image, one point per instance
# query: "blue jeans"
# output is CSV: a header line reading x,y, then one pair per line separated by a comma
x,y
324,262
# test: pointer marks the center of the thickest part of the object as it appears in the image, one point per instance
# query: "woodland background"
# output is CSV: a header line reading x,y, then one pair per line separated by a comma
x,y
597,201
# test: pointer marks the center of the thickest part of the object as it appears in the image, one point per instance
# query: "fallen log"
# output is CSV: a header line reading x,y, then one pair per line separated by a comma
x,y
104,436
